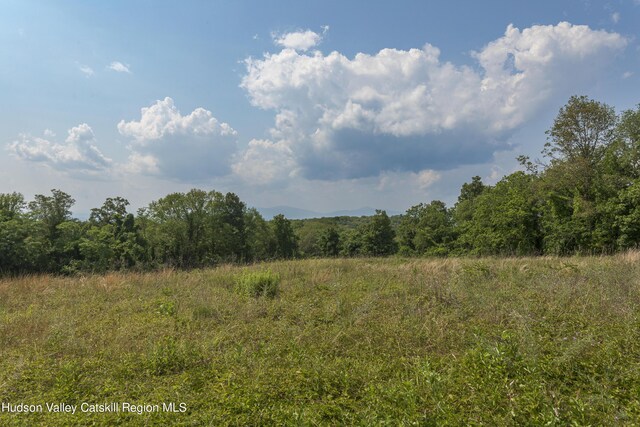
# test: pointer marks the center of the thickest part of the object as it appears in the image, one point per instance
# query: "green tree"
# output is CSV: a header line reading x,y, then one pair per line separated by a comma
x,y
506,218
351,242
581,177
261,241
627,217
11,205
23,245
113,241
377,235
329,242
581,131
286,241
52,210
113,211
625,154
228,214
463,212
426,229
179,228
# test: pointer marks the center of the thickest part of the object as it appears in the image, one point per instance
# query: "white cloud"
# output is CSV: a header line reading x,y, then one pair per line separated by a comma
x,y
299,40
119,67
265,162
185,148
615,17
77,154
49,133
144,164
86,70
397,110
627,74
420,181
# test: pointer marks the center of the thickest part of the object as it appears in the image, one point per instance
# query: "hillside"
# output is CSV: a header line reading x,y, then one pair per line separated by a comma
x,y
344,342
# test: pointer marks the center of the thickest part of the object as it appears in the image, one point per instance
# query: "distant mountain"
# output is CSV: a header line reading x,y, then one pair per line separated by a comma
x,y
287,211
297,213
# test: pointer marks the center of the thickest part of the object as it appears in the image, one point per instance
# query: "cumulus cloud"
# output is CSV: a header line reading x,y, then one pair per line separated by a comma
x,y
119,67
78,153
265,162
186,148
343,118
393,181
299,40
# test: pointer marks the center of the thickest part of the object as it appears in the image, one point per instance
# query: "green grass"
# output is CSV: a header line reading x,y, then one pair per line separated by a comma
x,y
258,284
532,341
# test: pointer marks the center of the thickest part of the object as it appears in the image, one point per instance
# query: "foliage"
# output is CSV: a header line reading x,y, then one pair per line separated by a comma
x,y
286,241
426,229
582,130
377,236
505,218
260,238
257,284
329,242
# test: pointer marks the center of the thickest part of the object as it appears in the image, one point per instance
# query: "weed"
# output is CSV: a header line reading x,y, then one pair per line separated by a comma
x,y
258,284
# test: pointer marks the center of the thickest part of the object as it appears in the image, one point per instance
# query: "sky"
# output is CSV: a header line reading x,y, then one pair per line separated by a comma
x,y
319,105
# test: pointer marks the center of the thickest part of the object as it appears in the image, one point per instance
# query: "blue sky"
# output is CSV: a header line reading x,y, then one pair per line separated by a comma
x,y
321,105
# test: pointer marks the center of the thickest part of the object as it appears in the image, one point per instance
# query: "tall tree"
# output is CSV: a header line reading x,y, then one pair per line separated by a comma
x,y
11,205
52,210
113,240
506,218
229,212
576,184
23,245
260,238
285,238
581,131
463,213
377,235
426,229
329,242
113,211
180,229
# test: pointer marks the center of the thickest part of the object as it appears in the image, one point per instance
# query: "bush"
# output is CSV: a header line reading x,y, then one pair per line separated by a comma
x,y
256,284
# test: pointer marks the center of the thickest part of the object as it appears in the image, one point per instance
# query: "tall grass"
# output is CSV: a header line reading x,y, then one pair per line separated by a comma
x,y
529,341
257,284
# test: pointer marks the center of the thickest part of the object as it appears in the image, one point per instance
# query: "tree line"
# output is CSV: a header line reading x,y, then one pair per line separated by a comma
x,y
582,197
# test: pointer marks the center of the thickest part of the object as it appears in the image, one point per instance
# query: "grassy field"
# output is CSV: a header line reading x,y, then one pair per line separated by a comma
x,y
532,341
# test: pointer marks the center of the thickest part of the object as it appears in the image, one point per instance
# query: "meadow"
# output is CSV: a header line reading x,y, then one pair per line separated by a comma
x,y
368,341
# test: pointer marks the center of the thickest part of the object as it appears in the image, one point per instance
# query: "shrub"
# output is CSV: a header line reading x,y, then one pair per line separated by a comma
x,y
256,284
168,357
